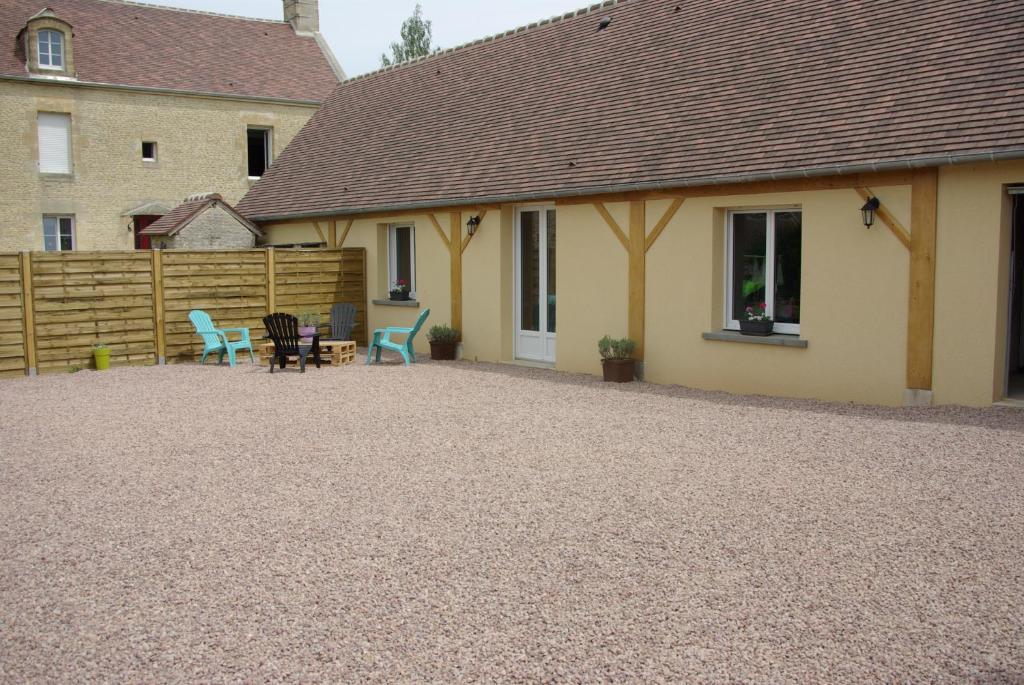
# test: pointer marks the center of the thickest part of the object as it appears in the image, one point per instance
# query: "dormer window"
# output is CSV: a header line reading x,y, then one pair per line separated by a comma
x,y
48,46
51,49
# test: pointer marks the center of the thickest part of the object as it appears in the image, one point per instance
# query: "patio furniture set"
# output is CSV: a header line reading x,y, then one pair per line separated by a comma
x,y
286,341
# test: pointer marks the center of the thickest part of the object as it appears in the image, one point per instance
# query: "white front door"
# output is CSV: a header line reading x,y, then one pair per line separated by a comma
x,y
535,284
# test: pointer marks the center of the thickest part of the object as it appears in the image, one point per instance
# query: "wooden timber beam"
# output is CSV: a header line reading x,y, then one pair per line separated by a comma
x,y
888,219
637,274
663,222
612,224
788,185
344,232
332,233
455,258
465,241
440,231
921,316
319,231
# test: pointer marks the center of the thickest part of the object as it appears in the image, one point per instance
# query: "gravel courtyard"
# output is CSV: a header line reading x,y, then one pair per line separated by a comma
x,y
455,522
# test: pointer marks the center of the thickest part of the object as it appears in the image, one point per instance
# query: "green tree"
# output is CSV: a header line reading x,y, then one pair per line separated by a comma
x,y
416,39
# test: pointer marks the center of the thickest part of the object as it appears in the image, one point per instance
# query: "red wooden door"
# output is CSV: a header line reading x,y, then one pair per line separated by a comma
x,y
143,242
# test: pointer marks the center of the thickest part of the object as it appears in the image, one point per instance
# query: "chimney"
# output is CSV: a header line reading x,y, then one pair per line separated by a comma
x,y
303,15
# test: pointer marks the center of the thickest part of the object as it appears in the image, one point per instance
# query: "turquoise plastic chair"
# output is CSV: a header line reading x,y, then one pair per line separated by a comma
x,y
216,339
382,340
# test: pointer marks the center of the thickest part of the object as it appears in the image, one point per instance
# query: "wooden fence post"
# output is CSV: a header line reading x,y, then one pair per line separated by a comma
x,y
158,307
271,282
28,312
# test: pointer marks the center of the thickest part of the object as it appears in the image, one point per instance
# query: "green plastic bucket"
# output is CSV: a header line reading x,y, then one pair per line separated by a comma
x,y
102,357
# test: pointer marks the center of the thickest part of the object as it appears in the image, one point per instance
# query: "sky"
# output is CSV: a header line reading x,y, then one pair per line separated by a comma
x,y
358,31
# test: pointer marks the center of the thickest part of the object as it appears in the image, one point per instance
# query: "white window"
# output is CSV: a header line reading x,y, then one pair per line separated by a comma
x,y
148,151
51,49
763,266
258,140
58,233
402,257
54,143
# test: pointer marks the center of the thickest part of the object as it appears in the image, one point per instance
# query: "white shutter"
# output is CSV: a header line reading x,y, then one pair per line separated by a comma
x,y
54,143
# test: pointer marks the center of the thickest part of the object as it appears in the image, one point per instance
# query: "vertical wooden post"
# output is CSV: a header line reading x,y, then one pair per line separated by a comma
x,y
455,252
28,313
332,233
637,274
271,282
921,318
158,307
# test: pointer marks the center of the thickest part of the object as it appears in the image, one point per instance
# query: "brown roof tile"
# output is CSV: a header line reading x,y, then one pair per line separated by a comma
x,y
179,217
156,47
673,91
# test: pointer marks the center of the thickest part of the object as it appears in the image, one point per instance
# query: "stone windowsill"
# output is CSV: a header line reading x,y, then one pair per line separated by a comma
x,y
777,339
397,303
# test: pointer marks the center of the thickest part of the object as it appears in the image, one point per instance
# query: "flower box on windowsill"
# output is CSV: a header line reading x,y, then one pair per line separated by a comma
x,y
399,295
761,328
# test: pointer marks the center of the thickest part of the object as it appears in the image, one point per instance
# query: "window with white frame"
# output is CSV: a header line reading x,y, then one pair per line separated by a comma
x,y
54,142
58,233
402,257
51,49
763,266
148,151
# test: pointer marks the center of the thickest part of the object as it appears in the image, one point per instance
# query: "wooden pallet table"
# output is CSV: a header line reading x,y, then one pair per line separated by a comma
x,y
336,352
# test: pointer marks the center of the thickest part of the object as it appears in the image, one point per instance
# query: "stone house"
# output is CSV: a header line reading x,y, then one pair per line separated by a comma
x,y
651,168
202,222
113,111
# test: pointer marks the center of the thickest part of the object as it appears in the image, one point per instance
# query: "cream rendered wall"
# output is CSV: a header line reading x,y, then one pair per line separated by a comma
x,y
432,267
201,147
591,282
853,302
972,282
854,291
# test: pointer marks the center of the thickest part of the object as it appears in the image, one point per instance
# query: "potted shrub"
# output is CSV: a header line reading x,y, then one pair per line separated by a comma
x,y
617,359
309,323
443,341
756,321
101,355
399,290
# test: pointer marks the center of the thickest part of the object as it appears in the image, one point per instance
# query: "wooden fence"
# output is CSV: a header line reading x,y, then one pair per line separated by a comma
x,y
55,306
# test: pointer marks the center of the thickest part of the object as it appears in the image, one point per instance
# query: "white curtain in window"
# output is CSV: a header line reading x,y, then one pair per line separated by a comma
x,y
54,143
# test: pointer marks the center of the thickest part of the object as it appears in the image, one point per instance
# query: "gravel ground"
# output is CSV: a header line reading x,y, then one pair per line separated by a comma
x,y
456,522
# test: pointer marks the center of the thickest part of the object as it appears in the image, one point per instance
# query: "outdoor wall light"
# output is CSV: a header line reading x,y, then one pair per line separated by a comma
x,y
868,211
472,224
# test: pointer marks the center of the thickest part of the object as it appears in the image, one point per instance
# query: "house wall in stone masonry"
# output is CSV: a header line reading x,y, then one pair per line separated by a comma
x,y
201,147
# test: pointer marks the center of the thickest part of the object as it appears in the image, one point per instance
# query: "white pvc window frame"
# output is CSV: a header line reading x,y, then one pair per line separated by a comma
x,y
393,256
268,149
54,60
769,272
61,220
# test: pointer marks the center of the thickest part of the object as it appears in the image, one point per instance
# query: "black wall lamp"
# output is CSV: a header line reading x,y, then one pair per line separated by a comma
x,y
868,211
472,224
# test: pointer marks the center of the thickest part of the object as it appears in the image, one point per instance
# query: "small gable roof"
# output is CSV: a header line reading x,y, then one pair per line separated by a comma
x,y
130,44
181,216
670,93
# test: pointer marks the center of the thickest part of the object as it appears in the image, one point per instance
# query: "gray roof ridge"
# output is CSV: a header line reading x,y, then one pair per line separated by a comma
x,y
208,13
589,9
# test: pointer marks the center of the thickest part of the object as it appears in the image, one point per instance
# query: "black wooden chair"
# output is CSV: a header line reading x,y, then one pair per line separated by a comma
x,y
343,318
283,330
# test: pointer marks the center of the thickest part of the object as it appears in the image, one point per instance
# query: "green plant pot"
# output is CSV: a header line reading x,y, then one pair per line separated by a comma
x,y
102,358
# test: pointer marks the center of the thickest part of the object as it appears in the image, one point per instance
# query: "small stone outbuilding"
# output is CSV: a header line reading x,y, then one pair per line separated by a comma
x,y
202,222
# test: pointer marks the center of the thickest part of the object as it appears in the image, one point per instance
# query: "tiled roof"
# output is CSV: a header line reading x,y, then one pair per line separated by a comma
x,y
671,92
180,217
155,47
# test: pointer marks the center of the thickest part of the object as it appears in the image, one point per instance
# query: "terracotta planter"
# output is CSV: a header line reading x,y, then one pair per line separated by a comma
x,y
443,350
619,370
761,328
